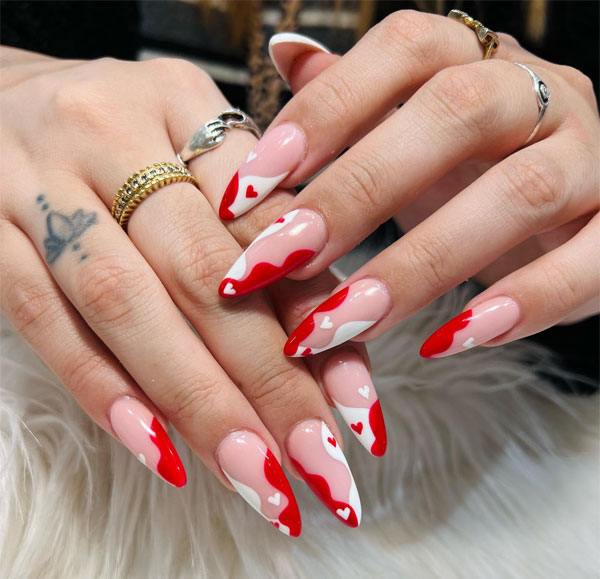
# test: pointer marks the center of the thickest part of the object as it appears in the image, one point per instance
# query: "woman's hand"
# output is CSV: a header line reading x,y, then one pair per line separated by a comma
x,y
104,309
452,164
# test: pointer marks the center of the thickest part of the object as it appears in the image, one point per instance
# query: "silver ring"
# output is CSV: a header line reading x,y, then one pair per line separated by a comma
x,y
542,94
212,133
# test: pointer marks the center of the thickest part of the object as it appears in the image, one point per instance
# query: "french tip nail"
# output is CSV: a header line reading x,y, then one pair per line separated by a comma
x,y
257,476
143,434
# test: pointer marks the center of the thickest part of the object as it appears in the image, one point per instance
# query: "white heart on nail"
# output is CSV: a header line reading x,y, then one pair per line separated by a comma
x,y
364,391
251,156
469,343
142,458
343,513
275,499
229,289
326,324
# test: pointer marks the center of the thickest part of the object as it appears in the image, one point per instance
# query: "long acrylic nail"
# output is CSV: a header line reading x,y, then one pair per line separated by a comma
x,y
320,461
476,326
348,382
274,157
286,47
257,476
141,432
343,316
289,242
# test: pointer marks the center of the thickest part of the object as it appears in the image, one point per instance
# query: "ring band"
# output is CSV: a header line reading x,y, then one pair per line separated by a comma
x,y
488,39
145,182
212,133
542,94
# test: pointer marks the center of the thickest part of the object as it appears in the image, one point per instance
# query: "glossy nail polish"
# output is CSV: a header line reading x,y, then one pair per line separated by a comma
x,y
317,456
257,476
347,380
476,326
141,432
274,157
289,242
343,316
286,47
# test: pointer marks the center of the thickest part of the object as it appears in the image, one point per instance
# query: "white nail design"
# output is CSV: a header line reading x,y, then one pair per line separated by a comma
x,y
229,289
364,391
275,499
344,513
326,324
469,343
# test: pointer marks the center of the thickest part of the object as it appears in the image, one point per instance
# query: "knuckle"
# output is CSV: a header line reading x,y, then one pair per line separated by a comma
x,y
431,261
83,104
536,184
332,97
579,80
83,372
463,95
178,69
562,287
108,289
277,387
192,401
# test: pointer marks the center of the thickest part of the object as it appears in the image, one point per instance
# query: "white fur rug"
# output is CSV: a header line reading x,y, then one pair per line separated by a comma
x,y
489,473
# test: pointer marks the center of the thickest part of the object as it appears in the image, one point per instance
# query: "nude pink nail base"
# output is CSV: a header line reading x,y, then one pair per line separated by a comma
x,y
255,473
343,316
279,152
141,432
348,382
286,244
473,327
318,458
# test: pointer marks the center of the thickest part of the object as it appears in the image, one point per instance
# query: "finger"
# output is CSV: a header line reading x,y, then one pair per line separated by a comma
x,y
40,312
397,56
122,301
528,192
531,299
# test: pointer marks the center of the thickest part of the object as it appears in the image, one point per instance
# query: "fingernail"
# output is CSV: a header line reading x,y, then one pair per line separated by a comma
x,y
257,476
343,316
289,242
141,432
319,460
271,161
348,382
476,326
286,47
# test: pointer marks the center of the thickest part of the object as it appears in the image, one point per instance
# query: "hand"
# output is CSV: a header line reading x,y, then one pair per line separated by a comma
x,y
104,310
451,159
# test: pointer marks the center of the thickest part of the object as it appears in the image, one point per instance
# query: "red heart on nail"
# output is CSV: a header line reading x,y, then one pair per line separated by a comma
x,y
280,220
251,192
331,441
358,427
275,524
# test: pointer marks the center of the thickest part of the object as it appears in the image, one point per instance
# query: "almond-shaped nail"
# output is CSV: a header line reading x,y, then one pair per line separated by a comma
x,y
343,316
286,47
347,380
141,432
317,456
289,242
278,152
476,326
257,476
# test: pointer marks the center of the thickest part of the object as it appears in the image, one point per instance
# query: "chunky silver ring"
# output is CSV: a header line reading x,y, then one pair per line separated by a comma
x,y
212,133
542,94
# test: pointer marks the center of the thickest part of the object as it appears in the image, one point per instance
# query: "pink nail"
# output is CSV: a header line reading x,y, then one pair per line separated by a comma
x,y
476,326
348,382
289,242
273,158
343,316
286,47
320,461
257,476
141,432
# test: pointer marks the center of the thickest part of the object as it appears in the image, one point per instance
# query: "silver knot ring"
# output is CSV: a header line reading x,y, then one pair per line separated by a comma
x,y
542,94
212,133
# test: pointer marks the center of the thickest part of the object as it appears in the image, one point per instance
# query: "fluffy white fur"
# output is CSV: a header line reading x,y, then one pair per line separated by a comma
x,y
490,473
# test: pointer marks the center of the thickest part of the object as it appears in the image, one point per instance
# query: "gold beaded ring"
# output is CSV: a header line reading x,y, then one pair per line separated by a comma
x,y
144,183
488,39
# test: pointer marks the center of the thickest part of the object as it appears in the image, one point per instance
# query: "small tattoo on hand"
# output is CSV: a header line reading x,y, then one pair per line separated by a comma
x,y
63,230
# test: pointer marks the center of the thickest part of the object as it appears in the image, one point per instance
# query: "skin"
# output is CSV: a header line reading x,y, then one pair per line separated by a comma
x,y
102,307
450,167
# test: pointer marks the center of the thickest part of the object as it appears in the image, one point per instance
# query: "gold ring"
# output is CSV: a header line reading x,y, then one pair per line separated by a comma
x,y
145,182
488,39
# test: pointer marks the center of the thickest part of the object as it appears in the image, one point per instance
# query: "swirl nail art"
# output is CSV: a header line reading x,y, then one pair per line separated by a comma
x,y
317,456
343,316
255,473
289,242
